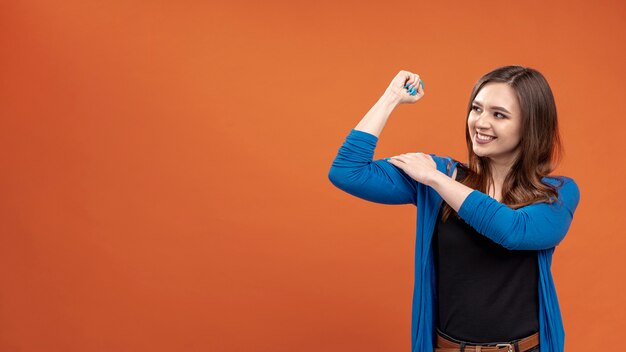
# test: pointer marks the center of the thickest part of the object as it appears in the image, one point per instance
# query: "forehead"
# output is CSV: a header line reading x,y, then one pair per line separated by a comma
x,y
499,94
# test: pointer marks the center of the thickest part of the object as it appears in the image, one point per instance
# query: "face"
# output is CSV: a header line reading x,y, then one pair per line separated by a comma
x,y
496,112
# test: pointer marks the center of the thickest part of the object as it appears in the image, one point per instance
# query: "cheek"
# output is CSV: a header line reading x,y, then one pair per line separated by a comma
x,y
517,134
470,123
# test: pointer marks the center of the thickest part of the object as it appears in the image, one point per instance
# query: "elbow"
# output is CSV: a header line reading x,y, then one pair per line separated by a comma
x,y
333,175
340,174
346,180
520,239
336,177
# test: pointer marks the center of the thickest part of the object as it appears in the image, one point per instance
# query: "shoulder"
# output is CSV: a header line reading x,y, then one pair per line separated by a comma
x,y
446,164
567,188
559,181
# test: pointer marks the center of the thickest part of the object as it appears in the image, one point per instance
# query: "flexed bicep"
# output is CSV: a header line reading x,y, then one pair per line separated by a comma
x,y
354,172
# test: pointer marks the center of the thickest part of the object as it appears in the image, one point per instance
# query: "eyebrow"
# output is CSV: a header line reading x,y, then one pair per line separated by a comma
x,y
493,107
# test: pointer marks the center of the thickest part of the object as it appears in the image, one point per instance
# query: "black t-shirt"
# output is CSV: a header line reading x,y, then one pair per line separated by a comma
x,y
486,293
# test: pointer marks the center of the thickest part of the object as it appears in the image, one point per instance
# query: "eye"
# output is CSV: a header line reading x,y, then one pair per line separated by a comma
x,y
476,108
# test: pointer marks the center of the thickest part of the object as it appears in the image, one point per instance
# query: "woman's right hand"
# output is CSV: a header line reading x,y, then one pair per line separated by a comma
x,y
396,88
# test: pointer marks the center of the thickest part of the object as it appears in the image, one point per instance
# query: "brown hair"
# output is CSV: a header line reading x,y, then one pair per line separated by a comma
x,y
540,145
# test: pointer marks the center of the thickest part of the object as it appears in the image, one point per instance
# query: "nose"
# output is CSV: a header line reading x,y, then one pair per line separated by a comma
x,y
481,122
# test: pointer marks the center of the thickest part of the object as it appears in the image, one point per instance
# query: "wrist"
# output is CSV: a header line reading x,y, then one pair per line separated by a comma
x,y
437,179
390,98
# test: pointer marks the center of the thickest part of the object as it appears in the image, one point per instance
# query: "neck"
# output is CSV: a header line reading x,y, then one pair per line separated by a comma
x,y
500,169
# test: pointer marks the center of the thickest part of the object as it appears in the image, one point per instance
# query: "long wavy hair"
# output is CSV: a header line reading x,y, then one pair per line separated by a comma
x,y
541,148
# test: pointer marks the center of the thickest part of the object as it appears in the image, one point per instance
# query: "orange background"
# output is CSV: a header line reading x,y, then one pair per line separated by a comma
x,y
164,166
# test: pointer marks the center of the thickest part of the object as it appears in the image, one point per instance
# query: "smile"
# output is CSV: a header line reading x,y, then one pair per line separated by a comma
x,y
481,139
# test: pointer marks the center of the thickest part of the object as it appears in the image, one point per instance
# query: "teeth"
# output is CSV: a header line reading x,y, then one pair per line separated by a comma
x,y
485,138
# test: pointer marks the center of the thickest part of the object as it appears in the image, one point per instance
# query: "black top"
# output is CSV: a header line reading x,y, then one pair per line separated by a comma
x,y
486,293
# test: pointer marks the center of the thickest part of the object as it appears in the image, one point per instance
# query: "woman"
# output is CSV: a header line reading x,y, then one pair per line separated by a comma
x,y
487,229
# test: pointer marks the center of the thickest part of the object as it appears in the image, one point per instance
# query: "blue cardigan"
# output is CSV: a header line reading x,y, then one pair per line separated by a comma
x,y
539,226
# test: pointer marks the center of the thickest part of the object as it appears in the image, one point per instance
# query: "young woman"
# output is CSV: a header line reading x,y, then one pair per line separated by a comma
x,y
486,230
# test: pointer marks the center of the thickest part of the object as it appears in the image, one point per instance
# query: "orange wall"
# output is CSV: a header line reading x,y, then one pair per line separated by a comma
x,y
164,166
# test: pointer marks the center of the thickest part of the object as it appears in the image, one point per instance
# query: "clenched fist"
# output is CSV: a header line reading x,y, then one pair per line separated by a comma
x,y
397,87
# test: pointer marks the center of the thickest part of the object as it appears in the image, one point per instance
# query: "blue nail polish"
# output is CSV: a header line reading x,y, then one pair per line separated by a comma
x,y
422,83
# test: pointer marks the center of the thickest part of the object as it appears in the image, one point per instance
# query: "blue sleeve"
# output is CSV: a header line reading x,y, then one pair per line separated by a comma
x,y
532,227
354,172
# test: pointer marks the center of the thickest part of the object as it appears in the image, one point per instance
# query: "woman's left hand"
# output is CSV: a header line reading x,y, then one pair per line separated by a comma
x,y
421,167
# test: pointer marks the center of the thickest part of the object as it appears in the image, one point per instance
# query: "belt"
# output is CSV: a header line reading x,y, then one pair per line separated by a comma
x,y
446,345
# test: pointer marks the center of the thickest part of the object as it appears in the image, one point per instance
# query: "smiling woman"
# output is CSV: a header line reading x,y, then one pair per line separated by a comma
x,y
486,229
515,105
496,136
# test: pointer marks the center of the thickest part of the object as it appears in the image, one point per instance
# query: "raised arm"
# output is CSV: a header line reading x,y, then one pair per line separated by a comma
x,y
354,170
536,226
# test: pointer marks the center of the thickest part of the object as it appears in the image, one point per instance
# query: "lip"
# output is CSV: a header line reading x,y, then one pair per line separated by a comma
x,y
482,142
488,135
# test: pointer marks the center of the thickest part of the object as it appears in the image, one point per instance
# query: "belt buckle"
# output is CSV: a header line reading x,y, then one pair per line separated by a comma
x,y
509,345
